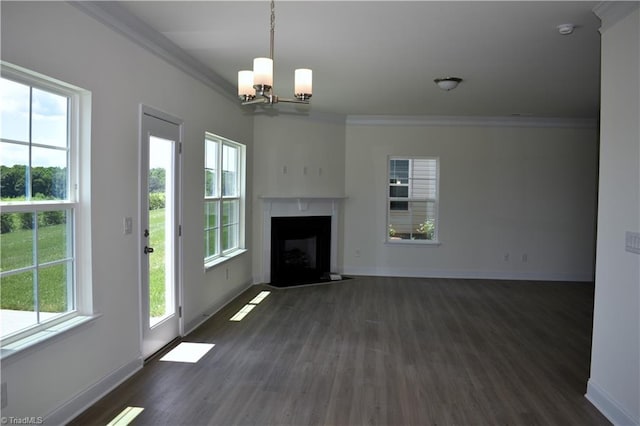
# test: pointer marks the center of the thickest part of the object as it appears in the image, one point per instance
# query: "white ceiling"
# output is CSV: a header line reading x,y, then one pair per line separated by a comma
x,y
380,57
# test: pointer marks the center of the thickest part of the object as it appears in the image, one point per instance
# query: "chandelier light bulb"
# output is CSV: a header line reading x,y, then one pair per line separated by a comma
x,y
303,86
245,84
263,72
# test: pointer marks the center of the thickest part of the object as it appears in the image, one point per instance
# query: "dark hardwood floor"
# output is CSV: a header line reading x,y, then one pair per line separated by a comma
x,y
386,351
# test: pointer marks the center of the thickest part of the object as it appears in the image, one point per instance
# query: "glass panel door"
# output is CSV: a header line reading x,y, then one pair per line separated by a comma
x,y
159,223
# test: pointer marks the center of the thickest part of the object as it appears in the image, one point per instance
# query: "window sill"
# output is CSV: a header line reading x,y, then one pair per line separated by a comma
x,y
45,337
221,259
413,243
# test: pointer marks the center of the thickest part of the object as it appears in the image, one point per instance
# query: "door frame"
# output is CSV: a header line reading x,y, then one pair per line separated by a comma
x,y
161,115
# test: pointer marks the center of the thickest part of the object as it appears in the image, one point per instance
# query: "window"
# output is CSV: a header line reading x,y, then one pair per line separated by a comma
x,y
223,198
413,200
40,203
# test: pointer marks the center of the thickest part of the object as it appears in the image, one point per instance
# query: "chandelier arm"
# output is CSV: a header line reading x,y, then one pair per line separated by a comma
x,y
256,101
293,101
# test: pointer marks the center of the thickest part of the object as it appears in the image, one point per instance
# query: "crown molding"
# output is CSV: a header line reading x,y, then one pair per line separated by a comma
x,y
116,17
471,121
610,12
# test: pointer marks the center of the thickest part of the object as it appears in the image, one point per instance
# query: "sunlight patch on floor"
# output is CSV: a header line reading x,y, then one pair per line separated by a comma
x,y
126,416
260,297
188,352
242,312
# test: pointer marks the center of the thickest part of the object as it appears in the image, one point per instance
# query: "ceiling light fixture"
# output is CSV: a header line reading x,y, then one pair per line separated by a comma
x,y
566,29
256,87
448,83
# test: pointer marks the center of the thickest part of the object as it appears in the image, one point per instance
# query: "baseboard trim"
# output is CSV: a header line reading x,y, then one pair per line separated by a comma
x,y
467,274
608,406
212,310
85,399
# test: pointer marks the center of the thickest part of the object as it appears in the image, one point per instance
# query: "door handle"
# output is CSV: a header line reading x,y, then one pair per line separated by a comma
x,y
148,250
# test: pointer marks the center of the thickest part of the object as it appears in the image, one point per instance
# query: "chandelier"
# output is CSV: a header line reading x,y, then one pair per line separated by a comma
x,y
256,87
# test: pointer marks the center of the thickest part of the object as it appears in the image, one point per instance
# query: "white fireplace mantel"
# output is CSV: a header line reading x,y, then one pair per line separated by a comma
x,y
302,202
303,205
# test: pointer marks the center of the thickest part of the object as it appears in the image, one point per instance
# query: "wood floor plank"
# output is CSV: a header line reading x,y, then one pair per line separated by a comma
x,y
380,351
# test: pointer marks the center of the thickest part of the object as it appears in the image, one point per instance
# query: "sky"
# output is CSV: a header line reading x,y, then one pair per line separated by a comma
x,y
48,126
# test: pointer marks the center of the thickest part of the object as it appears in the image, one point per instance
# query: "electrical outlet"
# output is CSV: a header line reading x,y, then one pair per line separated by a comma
x,y
357,252
506,257
525,257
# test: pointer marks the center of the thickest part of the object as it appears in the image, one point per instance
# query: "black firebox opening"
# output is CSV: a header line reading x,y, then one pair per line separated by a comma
x,y
300,249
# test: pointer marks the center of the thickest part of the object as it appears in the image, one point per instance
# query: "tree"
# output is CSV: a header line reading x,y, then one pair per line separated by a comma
x,y
157,180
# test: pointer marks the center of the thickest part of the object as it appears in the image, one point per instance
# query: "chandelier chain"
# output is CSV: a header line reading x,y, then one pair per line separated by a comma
x,y
273,28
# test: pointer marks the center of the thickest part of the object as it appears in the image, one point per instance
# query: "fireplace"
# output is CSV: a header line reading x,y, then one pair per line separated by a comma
x,y
280,207
300,249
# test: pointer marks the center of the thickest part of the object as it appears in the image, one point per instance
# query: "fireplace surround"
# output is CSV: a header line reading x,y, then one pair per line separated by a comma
x,y
303,206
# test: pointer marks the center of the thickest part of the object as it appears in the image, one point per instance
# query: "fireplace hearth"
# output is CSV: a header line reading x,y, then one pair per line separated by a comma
x,y
300,249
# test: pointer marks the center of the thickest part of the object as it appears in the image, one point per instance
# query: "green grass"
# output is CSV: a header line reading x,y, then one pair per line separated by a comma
x,y
156,263
16,251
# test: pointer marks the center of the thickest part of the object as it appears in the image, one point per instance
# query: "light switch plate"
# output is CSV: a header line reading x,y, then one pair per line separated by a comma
x,y
632,242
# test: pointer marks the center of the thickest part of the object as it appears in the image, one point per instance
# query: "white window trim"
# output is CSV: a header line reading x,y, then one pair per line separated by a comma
x,y
79,191
223,256
436,240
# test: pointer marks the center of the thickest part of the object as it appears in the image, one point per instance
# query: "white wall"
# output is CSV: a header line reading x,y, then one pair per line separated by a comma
x,y
58,40
614,385
294,156
503,190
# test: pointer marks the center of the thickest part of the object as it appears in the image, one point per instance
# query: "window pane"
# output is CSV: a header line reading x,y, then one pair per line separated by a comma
x,y
211,214
398,205
13,172
230,228
229,237
399,171
416,223
14,104
211,228
230,171
49,115
400,224
421,224
211,169
211,238
16,243
398,191
48,174
230,212
53,236
424,168
422,188
54,290
17,302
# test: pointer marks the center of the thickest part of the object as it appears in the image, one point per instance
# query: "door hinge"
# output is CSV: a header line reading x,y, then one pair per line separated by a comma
x,y
180,148
179,230
180,311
